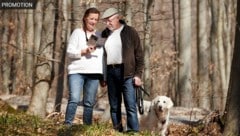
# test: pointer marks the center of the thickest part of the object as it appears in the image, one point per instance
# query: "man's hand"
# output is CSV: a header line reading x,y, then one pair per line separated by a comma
x,y
137,81
103,83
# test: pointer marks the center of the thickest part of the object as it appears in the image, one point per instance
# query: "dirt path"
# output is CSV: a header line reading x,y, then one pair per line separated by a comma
x,y
178,114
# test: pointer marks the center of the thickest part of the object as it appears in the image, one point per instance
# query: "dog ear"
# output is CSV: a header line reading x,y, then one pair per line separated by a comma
x,y
153,102
170,103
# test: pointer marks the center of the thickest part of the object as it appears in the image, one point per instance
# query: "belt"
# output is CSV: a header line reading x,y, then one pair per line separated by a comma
x,y
114,65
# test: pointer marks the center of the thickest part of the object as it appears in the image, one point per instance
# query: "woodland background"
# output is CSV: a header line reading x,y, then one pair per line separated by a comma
x,y
188,48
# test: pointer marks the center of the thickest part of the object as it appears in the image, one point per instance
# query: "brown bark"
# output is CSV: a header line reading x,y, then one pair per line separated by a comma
x,y
76,14
29,58
221,52
184,70
214,74
203,55
232,118
44,64
147,45
20,85
4,50
59,54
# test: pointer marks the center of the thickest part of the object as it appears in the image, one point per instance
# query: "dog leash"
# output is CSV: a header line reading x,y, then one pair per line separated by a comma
x,y
139,98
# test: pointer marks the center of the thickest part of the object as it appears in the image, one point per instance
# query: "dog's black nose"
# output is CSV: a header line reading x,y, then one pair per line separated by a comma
x,y
160,108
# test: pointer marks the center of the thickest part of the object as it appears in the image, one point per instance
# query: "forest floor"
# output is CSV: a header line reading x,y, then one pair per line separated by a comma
x,y
183,121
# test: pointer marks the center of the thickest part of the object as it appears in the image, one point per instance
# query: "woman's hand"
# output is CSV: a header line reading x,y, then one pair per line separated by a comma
x,y
88,50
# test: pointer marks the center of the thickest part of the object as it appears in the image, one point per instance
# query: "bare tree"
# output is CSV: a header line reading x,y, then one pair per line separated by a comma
x,y
29,58
229,21
66,26
11,50
76,14
44,64
8,50
203,55
221,52
38,16
37,33
128,12
214,74
59,54
232,118
20,80
173,80
147,43
184,74
5,59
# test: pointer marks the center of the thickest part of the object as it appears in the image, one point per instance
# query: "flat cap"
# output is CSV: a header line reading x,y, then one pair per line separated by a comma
x,y
109,12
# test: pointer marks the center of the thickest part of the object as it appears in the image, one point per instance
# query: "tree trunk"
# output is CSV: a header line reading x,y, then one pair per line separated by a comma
x,y
44,63
214,74
20,81
66,34
38,21
232,119
228,44
11,51
128,12
29,58
76,15
173,80
221,52
147,45
5,59
203,55
38,26
184,70
59,54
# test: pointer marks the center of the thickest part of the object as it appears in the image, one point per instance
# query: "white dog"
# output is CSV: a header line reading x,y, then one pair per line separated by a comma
x,y
156,115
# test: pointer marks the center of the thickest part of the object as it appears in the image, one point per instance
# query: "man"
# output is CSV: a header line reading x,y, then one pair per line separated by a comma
x,y
124,58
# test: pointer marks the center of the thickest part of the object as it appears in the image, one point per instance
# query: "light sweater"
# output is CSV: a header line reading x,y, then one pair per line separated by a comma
x,y
90,64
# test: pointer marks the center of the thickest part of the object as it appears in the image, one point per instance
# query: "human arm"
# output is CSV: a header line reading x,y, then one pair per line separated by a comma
x,y
139,59
77,45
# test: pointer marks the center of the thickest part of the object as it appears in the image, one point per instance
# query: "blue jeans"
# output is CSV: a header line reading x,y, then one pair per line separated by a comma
x,y
118,87
88,83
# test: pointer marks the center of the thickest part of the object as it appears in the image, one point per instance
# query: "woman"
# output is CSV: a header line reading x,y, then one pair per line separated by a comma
x,y
84,68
